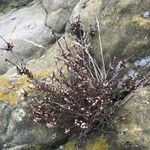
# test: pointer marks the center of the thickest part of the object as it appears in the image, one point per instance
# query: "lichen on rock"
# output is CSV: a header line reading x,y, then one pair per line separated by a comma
x,y
99,143
134,129
125,29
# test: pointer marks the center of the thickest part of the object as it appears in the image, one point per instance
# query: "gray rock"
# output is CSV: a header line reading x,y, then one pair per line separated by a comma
x,y
21,28
58,19
18,131
53,5
30,29
124,31
5,112
134,130
57,13
7,5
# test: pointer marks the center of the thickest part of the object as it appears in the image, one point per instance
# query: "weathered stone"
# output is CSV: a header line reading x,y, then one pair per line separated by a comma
x,y
134,130
31,36
6,5
53,5
131,127
18,26
58,19
57,13
99,143
5,113
124,29
17,130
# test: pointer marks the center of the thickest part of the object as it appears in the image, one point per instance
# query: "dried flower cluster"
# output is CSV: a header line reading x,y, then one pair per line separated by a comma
x,y
82,102
9,46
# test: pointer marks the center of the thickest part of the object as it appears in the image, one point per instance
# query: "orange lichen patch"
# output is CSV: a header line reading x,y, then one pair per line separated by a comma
x,y
142,22
10,91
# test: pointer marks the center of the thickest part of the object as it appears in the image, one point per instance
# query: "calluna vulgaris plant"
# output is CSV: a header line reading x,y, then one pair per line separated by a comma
x,y
84,102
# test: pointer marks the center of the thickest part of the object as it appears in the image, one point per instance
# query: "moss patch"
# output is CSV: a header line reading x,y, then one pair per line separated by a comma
x,y
99,143
70,146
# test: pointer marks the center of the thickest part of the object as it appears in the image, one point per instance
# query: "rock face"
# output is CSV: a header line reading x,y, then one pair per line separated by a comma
x,y
32,24
134,130
28,25
18,31
16,130
58,13
124,27
7,5
29,31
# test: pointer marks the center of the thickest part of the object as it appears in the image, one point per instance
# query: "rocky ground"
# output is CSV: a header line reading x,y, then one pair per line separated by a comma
x,y
28,24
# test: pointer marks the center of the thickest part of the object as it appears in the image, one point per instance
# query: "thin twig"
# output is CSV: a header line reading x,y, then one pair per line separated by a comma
x,y
38,45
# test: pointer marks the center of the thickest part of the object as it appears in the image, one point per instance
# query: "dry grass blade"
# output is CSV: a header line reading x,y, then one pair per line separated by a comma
x,y
101,48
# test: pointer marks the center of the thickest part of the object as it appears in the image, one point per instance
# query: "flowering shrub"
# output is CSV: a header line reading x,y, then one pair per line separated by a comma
x,y
85,101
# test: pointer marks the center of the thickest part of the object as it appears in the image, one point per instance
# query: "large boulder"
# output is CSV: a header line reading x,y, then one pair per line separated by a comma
x,y
17,131
124,25
134,129
18,26
58,13
30,29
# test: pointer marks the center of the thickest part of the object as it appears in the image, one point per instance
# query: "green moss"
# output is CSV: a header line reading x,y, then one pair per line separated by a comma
x,y
99,143
70,146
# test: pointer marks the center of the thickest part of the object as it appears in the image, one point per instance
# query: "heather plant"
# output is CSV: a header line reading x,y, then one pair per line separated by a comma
x,y
82,99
